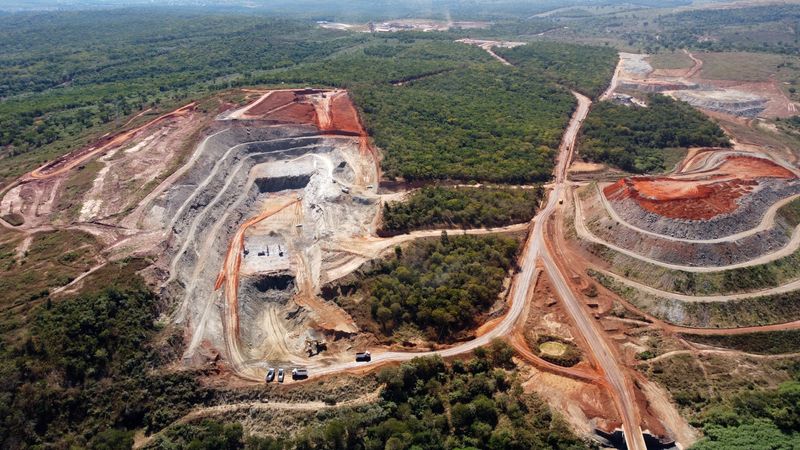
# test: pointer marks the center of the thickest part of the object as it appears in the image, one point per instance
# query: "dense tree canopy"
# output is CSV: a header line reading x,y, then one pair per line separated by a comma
x,y
587,69
766,419
426,404
632,138
442,207
441,286
84,368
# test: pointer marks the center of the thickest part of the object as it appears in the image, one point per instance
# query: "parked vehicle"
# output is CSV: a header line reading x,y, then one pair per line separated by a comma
x,y
363,357
270,374
299,374
280,375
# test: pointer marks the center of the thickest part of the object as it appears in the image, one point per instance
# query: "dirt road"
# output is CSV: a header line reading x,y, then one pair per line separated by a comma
x,y
791,286
229,276
619,385
614,82
698,64
227,409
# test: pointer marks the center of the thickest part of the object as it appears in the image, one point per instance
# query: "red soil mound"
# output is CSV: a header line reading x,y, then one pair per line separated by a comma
x,y
698,197
330,111
344,116
298,113
274,100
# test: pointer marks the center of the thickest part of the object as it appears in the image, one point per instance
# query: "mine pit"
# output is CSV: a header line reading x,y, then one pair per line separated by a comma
x,y
276,184
254,220
280,282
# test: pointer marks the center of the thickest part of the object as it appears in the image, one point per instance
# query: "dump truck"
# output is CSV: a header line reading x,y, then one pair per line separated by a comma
x,y
363,357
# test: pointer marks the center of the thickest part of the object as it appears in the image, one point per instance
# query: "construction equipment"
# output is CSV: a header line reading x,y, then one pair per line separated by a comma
x,y
315,346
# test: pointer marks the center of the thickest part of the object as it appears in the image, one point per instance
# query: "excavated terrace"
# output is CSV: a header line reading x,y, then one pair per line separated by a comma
x,y
682,252
706,203
283,182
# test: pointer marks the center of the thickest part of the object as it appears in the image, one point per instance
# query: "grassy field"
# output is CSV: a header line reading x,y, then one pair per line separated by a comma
x,y
765,343
754,311
740,66
673,60
699,383
53,259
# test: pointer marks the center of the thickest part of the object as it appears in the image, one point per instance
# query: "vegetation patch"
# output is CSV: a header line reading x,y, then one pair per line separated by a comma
x,y
670,61
790,212
86,364
753,311
443,207
484,123
61,95
739,402
441,286
740,66
634,138
425,404
552,348
54,259
445,110
584,68
765,342
556,350
739,280
755,29
70,199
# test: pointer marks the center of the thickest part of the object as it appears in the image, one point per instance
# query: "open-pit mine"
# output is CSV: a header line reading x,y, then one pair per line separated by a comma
x,y
249,209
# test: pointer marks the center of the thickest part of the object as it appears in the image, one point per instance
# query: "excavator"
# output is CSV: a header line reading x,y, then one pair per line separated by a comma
x,y
315,346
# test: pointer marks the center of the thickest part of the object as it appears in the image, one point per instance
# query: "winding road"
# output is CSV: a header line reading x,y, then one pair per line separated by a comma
x,y
614,378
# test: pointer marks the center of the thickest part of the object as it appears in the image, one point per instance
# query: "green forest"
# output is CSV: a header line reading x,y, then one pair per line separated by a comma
x,y
427,404
459,114
759,420
80,370
761,28
440,286
586,69
445,110
635,138
463,207
58,94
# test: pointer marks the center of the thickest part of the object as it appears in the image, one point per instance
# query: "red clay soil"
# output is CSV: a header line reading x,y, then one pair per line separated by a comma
x,y
295,113
344,116
274,100
334,112
698,197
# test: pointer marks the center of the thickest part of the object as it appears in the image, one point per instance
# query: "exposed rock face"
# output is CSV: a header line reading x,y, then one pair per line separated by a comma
x,y
681,252
729,101
748,213
656,86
